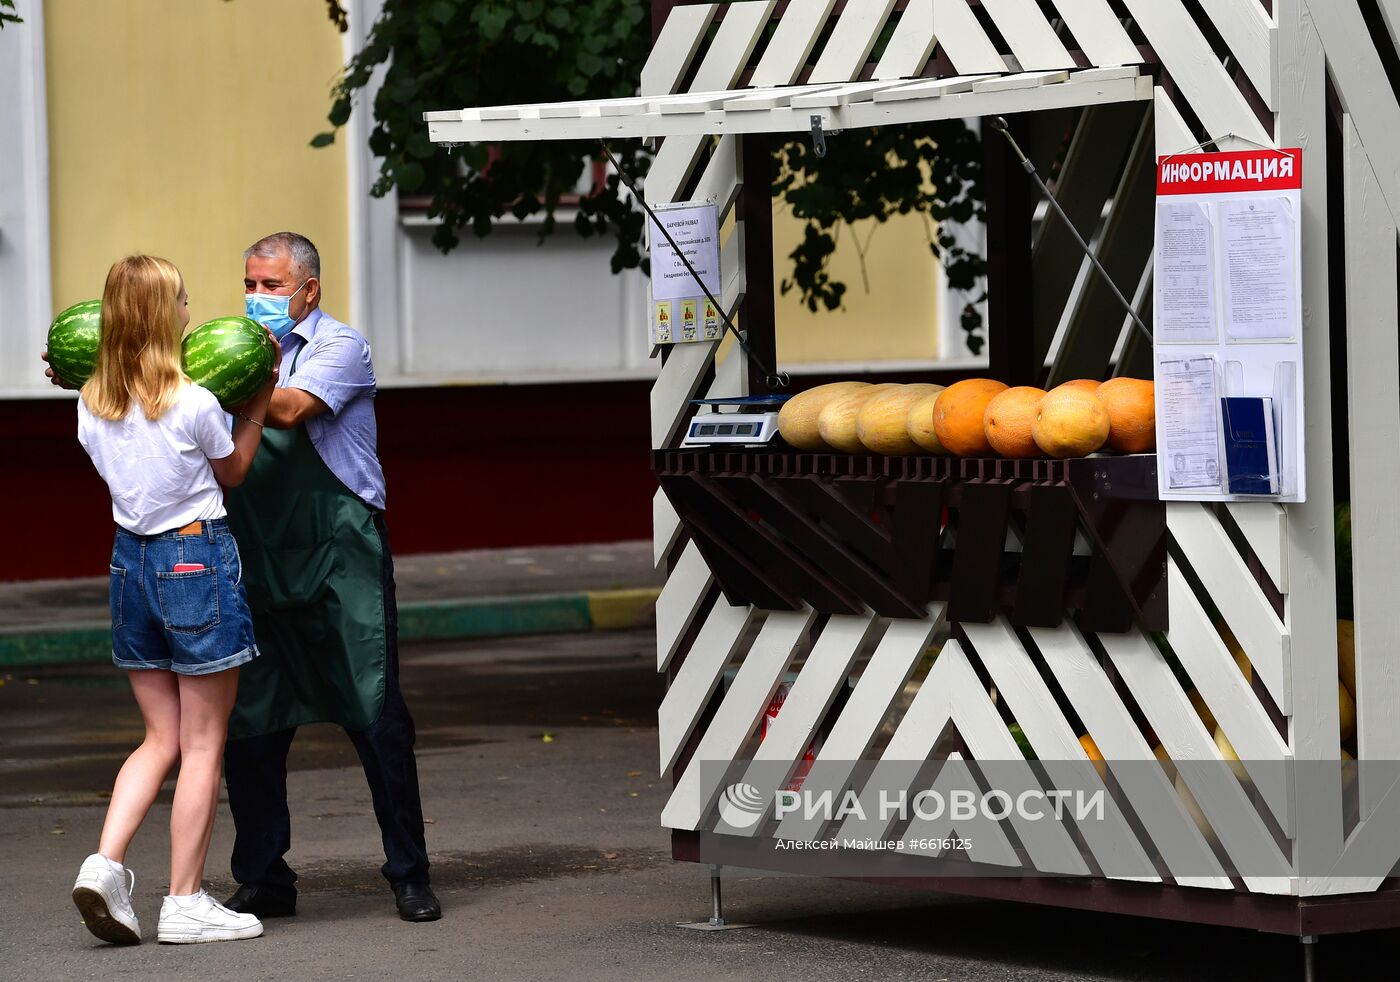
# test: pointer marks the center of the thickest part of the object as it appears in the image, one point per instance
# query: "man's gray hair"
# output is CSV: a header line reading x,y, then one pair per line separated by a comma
x,y
306,261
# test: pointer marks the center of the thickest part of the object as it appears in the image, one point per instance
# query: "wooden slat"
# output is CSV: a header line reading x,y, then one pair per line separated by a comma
x,y
734,42
1253,39
665,526
1032,39
912,44
932,88
953,692
1099,32
1085,684
851,40
680,598
704,664
986,842
962,39
744,703
844,95
1357,71
1093,326
1086,181
1374,421
1242,832
1311,609
774,98
1264,526
681,37
889,668
1018,681
1232,588
1227,694
1196,71
822,677
1024,80
792,42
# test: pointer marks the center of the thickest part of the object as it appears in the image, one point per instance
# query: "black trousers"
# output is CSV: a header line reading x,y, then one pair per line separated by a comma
x,y
255,770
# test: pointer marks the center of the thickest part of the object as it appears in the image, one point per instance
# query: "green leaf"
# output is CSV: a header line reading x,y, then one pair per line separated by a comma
x,y
443,11
323,139
340,111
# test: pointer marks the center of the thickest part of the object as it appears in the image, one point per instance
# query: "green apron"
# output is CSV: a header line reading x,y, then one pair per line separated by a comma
x,y
313,571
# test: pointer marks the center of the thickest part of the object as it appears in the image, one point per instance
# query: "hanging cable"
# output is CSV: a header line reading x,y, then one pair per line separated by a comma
x,y
773,379
999,124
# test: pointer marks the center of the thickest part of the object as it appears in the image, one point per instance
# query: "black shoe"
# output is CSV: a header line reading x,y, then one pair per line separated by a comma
x,y
417,902
263,901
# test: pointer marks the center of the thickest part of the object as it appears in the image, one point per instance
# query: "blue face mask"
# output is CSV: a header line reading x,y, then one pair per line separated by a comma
x,y
272,310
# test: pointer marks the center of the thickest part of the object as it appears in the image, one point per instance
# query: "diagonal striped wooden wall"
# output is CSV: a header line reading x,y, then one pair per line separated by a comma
x,y
1231,72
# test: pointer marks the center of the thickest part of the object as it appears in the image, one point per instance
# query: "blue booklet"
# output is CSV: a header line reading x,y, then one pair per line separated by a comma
x,y
1251,455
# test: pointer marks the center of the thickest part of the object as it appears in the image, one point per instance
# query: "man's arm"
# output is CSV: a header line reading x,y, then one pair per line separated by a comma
x,y
290,407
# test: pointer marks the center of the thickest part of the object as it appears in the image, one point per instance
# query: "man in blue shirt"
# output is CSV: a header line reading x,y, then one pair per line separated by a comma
x,y
319,576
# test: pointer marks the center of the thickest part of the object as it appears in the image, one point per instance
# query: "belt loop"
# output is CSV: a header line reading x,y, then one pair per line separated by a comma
x,y
209,532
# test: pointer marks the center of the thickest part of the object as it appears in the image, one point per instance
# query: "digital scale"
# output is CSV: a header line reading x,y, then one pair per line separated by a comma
x,y
755,424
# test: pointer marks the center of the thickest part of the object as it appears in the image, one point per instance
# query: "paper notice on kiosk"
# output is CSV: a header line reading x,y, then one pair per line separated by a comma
x,y
1185,274
1259,242
1188,407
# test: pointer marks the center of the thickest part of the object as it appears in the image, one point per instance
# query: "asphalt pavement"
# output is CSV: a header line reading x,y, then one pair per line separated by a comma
x,y
538,762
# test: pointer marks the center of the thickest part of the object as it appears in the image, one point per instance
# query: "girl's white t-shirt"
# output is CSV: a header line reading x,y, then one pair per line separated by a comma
x,y
158,470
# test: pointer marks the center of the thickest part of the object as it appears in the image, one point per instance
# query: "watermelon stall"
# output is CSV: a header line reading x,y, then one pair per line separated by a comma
x,y
1002,583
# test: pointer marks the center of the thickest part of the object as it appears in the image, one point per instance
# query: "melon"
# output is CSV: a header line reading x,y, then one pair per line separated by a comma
x,y
882,425
919,423
837,422
1008,419
73,339
1070,422
1346,653
958,416
797,420
230,356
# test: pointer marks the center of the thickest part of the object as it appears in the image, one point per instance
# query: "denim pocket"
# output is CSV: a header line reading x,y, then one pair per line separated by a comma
x,y
114,598
189,602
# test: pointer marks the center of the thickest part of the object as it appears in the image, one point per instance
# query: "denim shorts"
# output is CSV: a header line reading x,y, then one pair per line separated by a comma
x,y
193,623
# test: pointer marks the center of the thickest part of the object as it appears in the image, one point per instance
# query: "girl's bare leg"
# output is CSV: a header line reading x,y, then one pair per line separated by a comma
x,y
205,704
138,782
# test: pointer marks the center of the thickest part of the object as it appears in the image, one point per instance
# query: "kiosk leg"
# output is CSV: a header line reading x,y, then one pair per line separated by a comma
x,y
716,921
1309,957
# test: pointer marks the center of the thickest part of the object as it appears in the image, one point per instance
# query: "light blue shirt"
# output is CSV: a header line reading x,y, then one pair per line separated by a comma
x,y
332,362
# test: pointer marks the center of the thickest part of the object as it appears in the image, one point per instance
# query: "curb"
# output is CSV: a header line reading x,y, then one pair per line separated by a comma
x,y
433,620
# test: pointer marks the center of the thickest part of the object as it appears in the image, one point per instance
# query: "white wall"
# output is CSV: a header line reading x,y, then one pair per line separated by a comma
x,y
25,294
508,307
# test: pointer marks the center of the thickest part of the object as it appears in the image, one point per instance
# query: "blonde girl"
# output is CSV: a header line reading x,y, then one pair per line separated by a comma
x,y
180,621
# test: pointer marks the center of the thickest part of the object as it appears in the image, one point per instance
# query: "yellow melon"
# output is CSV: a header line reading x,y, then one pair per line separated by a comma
x,y
1095,755
1346,712
882,425
797,420
1188,801
919,422
1346,654
958,416
1198,703
1008,419
837,421
1070,423
1086,384
1227,752
1132,414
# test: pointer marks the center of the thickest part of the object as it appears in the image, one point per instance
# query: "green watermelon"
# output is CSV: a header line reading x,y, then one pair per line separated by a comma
x,y
73,339
230,356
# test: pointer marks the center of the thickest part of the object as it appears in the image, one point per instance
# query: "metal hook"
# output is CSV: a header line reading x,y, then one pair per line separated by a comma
x,y
818,135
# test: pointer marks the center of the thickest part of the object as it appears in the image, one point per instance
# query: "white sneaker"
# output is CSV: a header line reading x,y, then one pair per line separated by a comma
x,y
102,894
203,919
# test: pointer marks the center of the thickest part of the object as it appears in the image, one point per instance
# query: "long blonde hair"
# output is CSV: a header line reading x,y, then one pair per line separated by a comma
x,y
139,354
